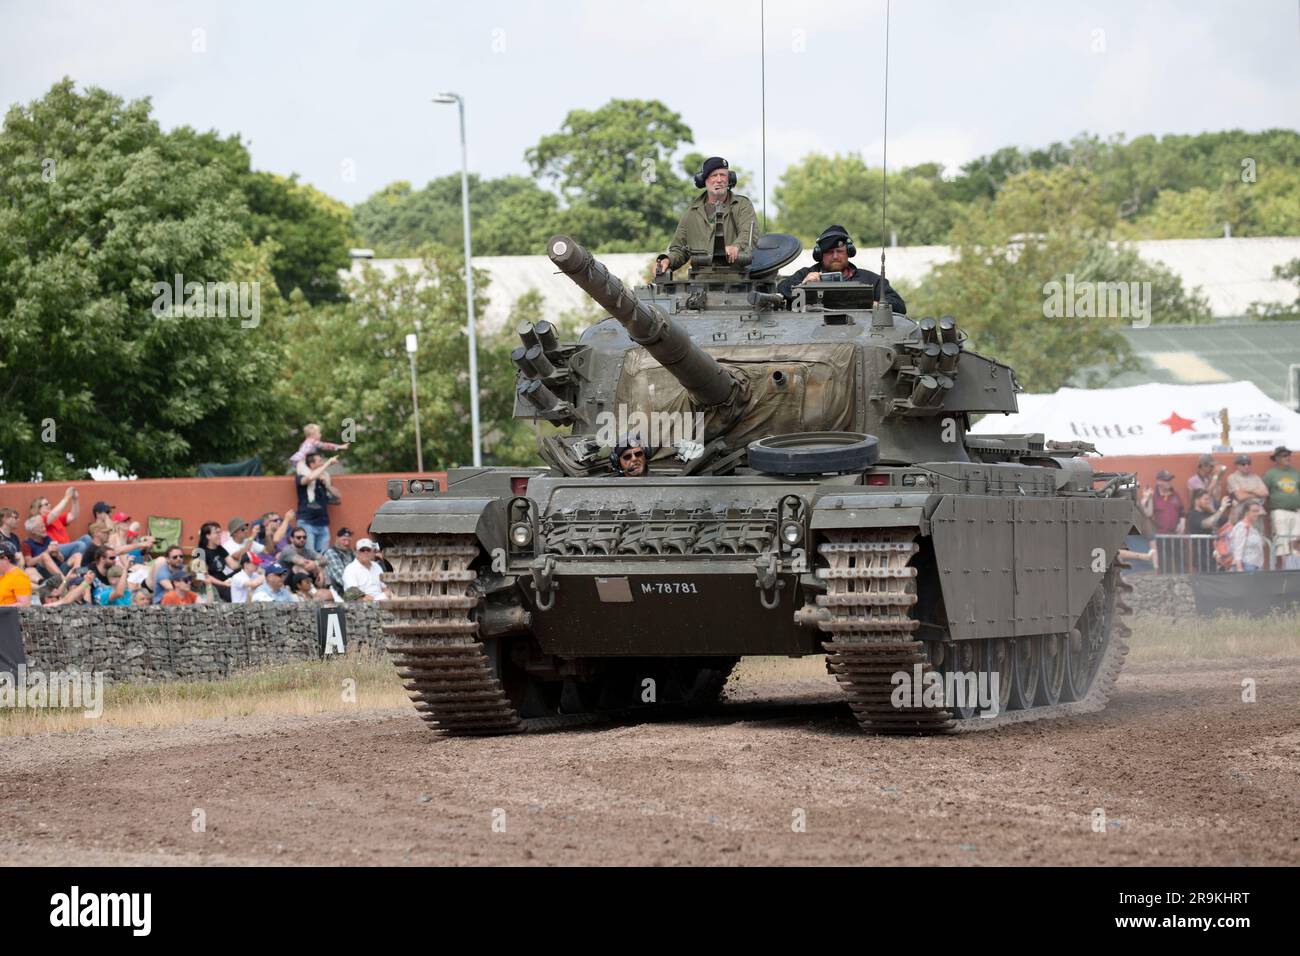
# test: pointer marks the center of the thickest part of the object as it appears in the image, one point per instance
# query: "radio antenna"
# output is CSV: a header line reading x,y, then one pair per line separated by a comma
x,y
762,84
884,166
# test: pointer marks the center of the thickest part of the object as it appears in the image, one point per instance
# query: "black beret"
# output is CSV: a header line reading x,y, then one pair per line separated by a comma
x,y
713,163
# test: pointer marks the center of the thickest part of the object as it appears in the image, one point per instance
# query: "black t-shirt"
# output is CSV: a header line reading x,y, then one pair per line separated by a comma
x,y
312,512
214,561
1195,518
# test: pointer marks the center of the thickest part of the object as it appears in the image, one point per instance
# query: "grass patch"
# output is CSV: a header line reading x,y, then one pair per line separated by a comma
x,y
308,687
1157,638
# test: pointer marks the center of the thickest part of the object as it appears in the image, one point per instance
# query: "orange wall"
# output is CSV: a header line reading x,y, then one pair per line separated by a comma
x,y
196,500
1182,466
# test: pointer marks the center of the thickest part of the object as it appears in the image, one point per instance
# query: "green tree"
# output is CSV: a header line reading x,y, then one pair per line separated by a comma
x,y
613,169
1043,227
821,190
98,207
1273,203
508,216
348,363
1198,213
1134,175
312,231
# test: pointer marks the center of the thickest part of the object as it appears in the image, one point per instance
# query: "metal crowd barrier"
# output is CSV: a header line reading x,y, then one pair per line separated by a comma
x,y
1195,554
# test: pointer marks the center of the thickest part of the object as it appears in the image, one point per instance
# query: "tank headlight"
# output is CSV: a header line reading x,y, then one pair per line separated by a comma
x,y
792,533
417,487
521,535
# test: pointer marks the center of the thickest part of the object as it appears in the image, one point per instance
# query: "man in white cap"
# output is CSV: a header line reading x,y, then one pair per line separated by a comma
x,y
364,573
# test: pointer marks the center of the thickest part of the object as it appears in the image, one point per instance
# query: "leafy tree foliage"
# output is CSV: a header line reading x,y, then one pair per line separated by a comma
x,y
312,232
508,216
1160,185
613,169
821,190
348,363
98,206
1042,227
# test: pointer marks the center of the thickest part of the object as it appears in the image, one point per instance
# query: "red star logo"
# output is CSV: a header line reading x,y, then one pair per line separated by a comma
x,y
1177,423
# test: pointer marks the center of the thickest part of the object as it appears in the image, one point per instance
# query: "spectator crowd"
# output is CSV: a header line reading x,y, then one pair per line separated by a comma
x,y
1240,521
276,558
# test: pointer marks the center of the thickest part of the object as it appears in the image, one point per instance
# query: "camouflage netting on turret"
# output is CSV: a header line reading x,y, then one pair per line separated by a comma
x,y
202,642
814,392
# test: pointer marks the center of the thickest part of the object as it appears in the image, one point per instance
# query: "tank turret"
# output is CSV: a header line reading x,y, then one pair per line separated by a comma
x,y
705,380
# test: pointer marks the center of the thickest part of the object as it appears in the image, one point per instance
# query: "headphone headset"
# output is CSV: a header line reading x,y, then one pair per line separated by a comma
x,y
837,233
700,177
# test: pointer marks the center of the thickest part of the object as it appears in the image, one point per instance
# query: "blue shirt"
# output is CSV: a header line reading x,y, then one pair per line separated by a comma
x,y
264,593
101,593
164,573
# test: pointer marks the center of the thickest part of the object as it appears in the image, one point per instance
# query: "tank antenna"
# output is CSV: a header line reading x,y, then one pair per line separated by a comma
x,y
762,83
884,167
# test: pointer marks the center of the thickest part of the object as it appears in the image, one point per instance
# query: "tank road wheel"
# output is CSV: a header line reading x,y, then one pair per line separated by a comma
x,y
870,592
999,660
966,658
1087,642
434,637
1080,664
1025,668
1051,670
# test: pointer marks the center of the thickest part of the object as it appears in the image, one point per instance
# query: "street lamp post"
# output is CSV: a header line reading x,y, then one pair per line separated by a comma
x,y
469,276
411,346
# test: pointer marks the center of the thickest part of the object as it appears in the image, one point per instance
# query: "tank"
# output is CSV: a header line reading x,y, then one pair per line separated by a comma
x,y
812,489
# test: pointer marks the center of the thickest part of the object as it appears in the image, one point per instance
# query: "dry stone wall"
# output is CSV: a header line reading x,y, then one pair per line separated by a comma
x,y
200,642
1165,595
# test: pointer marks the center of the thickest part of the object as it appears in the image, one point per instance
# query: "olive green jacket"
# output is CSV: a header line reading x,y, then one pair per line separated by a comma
x,y
695,232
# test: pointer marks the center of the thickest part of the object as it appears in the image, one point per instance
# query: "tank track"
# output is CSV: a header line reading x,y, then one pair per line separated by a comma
x,y
870,592
434,636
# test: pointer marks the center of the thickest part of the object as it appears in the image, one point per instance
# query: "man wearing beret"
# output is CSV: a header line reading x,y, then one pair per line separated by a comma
x,y
695,231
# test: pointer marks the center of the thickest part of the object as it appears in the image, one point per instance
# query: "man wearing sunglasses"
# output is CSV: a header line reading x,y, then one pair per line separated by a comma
x,y
629,458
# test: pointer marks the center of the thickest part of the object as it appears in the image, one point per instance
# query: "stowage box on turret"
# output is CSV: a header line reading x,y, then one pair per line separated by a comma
x,y
811,488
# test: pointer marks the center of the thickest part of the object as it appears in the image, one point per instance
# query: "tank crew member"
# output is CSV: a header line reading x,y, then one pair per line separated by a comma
x,y
832,252
630,458
695,231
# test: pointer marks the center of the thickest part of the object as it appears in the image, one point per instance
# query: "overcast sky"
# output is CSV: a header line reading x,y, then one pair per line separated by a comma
x,y
339,92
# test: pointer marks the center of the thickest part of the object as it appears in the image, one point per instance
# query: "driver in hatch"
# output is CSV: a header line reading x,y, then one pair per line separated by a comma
x,y
629,458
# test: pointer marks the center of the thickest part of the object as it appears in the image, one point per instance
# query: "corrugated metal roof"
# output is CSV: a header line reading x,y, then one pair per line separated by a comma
x,y
1258,352
1231,273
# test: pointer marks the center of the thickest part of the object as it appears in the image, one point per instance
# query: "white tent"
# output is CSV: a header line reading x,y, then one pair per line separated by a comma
x,y
1154,419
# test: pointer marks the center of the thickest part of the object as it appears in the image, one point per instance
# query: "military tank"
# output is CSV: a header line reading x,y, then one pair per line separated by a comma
x,y
812,488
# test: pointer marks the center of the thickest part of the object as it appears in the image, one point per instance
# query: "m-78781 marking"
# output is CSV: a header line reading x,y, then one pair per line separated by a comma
x,y
669,587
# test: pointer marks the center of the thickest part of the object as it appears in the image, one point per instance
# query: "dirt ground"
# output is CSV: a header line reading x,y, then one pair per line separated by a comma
x,y
1185,772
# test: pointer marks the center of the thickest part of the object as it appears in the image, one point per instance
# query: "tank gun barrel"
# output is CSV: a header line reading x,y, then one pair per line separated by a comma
x,y
706,381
